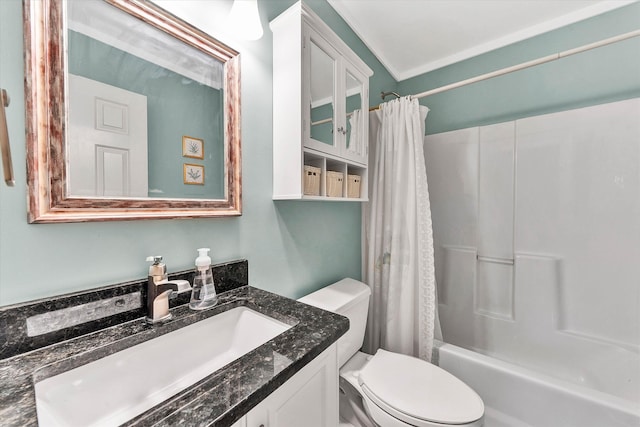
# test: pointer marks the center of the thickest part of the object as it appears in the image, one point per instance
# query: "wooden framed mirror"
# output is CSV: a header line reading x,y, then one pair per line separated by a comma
x,y
191,153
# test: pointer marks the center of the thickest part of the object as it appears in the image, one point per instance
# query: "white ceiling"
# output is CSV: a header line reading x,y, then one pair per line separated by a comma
x,y
412,37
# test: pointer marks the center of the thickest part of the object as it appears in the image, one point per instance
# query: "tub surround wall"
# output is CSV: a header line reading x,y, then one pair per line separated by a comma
x,y
15,336
221,398
536,231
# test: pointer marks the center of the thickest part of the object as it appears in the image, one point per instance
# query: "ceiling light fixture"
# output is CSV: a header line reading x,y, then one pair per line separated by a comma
x,y
244,20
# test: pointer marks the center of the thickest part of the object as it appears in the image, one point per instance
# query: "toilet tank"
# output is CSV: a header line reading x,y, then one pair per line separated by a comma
x,y
349,298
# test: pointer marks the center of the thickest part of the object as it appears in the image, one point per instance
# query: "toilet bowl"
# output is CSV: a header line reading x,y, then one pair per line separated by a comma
x,y
389,389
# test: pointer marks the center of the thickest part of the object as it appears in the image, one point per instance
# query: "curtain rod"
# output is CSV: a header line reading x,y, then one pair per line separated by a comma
x,y
528,64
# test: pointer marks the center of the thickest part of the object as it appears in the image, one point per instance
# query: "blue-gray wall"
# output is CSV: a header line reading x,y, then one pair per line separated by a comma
x,y
606,74
292,247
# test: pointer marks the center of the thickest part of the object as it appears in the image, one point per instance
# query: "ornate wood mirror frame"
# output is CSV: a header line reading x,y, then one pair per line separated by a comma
x,y
46,122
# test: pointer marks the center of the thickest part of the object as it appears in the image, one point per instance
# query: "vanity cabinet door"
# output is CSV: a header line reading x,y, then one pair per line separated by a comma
x,y
309,398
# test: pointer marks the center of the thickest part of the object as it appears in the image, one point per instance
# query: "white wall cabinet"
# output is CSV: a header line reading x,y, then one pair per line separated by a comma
x,y
320,109
309,398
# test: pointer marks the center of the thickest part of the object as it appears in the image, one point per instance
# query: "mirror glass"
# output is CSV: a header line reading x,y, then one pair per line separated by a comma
x,y
132,113
354,109
322,102
144,109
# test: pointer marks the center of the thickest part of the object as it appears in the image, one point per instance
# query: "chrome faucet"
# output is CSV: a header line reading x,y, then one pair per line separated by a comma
x,y
158,290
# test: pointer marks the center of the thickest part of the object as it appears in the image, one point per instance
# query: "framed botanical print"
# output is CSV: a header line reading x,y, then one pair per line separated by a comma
x,y
192,147
193,174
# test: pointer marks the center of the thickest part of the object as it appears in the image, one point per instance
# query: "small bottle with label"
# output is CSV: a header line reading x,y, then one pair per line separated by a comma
x,y
203,294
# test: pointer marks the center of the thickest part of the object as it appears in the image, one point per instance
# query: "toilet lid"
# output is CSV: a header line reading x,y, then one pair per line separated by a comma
x,y
407,387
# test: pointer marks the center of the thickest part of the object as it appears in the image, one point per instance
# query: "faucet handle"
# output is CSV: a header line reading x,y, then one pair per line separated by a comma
x,y
157,268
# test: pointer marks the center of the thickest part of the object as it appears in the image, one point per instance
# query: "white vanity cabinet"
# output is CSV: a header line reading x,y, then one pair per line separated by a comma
x,y
320,110
309,398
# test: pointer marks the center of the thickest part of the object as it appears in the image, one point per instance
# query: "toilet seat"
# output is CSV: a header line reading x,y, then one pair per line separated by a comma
x,y
417,392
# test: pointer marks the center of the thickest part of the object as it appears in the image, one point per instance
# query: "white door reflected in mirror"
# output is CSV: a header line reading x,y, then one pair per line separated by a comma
x,y
107,140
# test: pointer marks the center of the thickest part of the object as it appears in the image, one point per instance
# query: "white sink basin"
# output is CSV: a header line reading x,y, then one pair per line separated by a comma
x,y
116,388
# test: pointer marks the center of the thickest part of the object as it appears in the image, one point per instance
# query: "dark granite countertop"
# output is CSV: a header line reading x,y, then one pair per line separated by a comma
x,y
219,399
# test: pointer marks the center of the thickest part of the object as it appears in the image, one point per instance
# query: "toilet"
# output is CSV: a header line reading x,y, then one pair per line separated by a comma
x,y
389,389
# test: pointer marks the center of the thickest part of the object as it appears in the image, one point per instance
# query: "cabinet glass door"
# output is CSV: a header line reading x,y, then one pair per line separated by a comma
x,y
356,119
322,102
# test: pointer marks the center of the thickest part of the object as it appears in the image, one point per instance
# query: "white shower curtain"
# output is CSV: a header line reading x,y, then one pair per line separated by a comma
x,y
398,237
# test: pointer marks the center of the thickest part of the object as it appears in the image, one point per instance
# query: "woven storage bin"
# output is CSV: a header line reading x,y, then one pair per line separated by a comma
x,y
353,186
335,181
311,180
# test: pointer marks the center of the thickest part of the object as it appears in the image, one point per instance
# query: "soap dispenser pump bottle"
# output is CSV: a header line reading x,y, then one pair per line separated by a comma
x,y
203,294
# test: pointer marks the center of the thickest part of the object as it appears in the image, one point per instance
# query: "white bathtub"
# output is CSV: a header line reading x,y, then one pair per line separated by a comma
x,y
518,397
